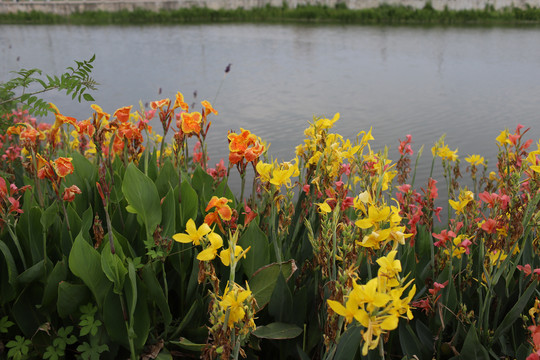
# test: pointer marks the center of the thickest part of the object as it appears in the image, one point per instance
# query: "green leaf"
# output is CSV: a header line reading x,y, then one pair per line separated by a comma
x,y
263,281
112,266
156,294
36,272
514,314
189,203
202,183
259,254
167,178
5,324
472,347
142,195
188,345
409,341
348,343
49,216
89,352
70,297
168,222
10,263
281,301
88,97
277,331
85,263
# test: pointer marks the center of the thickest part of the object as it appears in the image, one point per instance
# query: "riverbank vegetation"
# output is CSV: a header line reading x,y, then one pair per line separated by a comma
x,y
118,242
386,14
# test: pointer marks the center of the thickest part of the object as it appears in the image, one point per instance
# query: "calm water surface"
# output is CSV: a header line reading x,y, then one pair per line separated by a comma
x,y
469,83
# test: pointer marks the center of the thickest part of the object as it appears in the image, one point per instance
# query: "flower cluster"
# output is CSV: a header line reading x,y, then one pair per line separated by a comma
x,y
378,304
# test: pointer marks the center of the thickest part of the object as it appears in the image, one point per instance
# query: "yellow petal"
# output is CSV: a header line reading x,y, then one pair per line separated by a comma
x,y
207,254
182,238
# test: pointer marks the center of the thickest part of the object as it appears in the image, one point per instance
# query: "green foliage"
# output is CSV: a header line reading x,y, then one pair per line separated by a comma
x,y
18,348
24,88
384,14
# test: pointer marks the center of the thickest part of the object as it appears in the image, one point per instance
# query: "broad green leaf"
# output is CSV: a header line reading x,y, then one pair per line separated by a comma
x,y
409,341
277,331
202,183
167,178
85,263
49,216
38,271
10,263
35,233
168,222
155,293
514,314
112,266
25,311
472,348
114,320
281,301
142,195
263,281
348,343
58,274
189,203
259,254
70,297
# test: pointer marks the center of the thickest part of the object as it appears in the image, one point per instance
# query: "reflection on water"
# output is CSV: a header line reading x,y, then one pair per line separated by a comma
x,y
469,83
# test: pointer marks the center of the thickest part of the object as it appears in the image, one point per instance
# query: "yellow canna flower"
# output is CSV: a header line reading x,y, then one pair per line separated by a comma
x,y
375,216
264,170
193,235
210,253
233,301
503,139
225,255
475,160
323,124
324,208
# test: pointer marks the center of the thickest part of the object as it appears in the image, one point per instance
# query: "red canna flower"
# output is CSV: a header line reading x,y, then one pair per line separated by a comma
x,y
69,193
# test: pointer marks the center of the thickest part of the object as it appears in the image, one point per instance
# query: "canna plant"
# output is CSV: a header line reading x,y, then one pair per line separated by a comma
x,y
116,244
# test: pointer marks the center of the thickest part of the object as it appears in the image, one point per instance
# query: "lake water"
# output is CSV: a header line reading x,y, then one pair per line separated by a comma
x,y
469,83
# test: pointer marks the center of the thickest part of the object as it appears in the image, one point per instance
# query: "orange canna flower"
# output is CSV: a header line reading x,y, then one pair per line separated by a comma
x,y
191,122
240,142
122,114
179,102
63,166
54,108
235,157
62,119
69,193
254,151
15,130
118,145
44,168
222,211
160,104
86,127
30,134
100,113
208,108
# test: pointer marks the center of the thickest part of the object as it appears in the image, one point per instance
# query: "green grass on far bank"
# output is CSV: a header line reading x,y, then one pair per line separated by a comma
x,y
313,14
